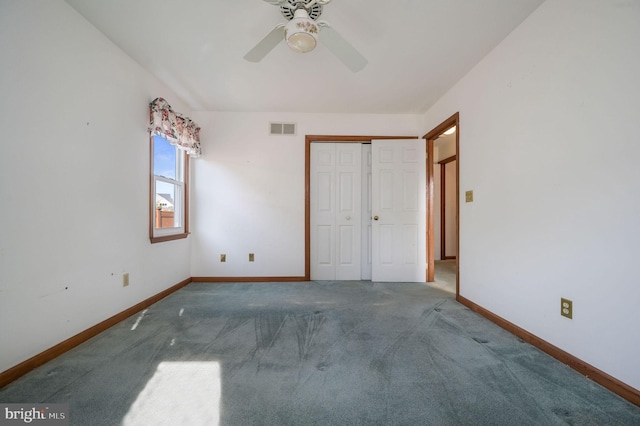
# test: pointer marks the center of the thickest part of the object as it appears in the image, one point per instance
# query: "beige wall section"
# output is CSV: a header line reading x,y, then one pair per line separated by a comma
x,y
446,147
451,231
74,179
548,143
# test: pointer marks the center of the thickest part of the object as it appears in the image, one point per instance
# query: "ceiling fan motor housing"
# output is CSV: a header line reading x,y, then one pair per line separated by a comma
x,y
289,9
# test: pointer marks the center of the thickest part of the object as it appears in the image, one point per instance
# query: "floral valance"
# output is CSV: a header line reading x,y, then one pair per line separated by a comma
x,y
179,130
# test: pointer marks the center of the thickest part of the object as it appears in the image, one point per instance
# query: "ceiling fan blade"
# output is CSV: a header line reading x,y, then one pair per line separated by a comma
x,y
266,45
341,48
312,2
276,2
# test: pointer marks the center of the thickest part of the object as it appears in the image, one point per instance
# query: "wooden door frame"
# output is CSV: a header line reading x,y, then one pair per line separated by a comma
x,y
443,198
431,136
308,140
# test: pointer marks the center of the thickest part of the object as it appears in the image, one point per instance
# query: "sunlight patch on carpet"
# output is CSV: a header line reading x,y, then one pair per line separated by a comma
x,y
179,393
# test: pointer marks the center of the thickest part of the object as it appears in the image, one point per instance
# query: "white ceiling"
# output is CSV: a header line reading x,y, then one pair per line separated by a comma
x,y
416,49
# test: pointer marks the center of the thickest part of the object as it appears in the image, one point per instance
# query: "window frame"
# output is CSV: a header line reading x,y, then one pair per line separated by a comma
x,y
168,234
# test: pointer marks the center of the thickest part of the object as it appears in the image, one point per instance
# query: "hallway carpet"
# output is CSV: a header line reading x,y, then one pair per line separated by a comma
x,y
445,275
315,353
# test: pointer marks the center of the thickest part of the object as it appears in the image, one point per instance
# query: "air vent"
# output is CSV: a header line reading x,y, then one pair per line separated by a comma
x,y
282,128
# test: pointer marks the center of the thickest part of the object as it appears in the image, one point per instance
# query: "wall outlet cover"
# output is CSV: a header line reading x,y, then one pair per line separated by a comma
x,y
566,308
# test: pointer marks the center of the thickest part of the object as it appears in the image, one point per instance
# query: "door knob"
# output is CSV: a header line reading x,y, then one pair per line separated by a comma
x,y
376,218
348,217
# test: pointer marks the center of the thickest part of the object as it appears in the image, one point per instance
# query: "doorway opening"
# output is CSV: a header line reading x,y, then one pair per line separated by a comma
x,y
443,152
448,167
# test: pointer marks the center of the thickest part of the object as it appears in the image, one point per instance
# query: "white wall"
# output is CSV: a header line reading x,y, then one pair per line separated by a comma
x,y
74,180
549,136
249,188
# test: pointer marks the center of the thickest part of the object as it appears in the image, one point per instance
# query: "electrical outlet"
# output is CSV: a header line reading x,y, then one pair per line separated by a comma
x,y
566,308
223,258
125,279
251,257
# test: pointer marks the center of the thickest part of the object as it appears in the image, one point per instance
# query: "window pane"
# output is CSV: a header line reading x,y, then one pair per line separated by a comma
x,y
168,191
166,196
164,158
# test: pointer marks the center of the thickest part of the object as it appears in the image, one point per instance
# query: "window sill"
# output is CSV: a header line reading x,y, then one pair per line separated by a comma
x,y
163,238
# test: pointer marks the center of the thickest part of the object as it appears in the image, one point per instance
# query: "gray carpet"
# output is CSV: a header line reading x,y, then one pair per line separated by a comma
x,y
330,353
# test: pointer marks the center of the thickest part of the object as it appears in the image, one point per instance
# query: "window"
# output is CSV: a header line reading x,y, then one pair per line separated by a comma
x,y
174,138
169,191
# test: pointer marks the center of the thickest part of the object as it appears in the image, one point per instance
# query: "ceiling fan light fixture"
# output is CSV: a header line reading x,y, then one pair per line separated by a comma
x,y
301,42
302,32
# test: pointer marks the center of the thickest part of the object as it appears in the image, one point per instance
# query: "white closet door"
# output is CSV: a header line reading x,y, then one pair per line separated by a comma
x,y
335,211
399,210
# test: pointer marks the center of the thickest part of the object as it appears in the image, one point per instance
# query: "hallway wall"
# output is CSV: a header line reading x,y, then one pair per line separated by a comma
x,y
450,225
549,145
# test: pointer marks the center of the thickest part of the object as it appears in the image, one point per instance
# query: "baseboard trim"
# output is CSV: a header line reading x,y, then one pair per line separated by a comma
x,y
246,279
24,367
614,385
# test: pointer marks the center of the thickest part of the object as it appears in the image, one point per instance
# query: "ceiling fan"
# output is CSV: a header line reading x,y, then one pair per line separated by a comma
x,y
303,31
